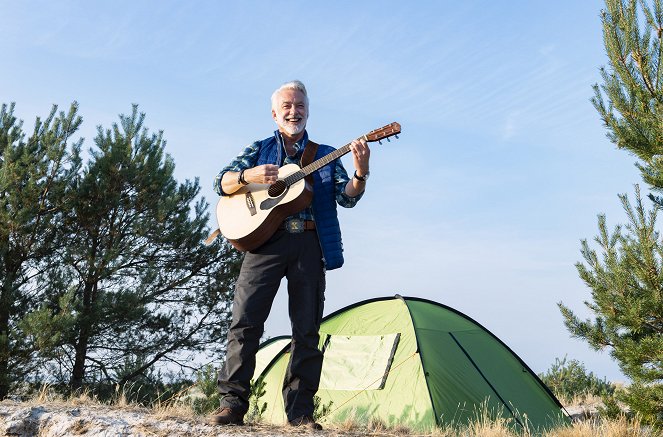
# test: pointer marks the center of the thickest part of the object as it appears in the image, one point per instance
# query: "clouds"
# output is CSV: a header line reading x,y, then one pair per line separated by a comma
x,y
510,126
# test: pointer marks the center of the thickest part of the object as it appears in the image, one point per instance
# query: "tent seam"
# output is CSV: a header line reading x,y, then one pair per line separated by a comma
x,y
421,360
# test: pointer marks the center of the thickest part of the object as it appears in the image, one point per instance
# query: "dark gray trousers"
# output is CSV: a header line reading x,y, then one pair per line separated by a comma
x,y
297,257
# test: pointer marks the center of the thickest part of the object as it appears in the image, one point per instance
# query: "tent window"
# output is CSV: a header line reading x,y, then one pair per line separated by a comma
x,y
358,362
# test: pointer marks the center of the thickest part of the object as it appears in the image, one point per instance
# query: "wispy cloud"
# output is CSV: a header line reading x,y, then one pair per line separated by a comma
x,y
509,129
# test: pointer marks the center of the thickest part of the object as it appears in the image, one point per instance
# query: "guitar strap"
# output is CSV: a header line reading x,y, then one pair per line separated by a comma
x,y
310,150
212,236
309,153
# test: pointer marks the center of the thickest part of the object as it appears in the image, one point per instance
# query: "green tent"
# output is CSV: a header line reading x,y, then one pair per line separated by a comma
x,y
413,362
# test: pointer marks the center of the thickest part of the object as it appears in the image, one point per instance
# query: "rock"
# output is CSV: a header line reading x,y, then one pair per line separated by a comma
x,y
64,420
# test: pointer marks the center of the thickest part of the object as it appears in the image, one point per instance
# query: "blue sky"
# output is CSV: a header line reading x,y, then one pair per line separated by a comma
x,y
501,169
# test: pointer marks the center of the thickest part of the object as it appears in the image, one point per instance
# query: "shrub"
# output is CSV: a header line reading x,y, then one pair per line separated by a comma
x,y
320,410
570,379
206,385
256,409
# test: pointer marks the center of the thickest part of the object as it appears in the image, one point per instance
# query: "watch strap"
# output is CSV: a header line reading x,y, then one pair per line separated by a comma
x,y
360,178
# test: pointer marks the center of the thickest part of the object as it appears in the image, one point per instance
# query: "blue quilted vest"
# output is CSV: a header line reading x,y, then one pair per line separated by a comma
x,y
324,198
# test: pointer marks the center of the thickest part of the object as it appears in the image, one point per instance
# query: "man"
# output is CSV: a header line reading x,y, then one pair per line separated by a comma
x,y
307,244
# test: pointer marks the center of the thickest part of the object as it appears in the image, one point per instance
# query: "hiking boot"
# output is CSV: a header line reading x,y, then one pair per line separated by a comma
x,y
306,422
226,416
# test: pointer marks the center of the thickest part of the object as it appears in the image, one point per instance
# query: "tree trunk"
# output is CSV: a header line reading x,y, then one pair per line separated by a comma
x,y
85,319
78,372
4,341
6,297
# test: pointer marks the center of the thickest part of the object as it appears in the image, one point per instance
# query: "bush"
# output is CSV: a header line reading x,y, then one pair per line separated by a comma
x,y
208,398
570,379
646,400
256,408
320,410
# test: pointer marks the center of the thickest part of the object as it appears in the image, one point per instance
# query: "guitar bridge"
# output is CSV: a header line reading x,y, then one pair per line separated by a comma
x,y
250,203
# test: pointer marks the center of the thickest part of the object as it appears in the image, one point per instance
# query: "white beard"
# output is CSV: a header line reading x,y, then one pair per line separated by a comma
x,y
294,129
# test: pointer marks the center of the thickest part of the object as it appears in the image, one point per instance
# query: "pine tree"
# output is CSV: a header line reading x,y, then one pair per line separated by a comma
x,y
626,277
33,175
136,285
633,84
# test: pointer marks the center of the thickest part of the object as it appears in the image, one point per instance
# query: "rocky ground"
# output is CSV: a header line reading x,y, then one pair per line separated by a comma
x,y
62,420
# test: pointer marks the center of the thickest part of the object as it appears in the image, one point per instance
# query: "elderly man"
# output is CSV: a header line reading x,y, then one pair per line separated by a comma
x,y
304,247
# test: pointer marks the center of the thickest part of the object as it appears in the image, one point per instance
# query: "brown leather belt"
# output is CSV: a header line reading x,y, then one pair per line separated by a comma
x,y
295,226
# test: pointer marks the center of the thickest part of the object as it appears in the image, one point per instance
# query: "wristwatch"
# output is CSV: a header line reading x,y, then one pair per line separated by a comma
x,y
362,178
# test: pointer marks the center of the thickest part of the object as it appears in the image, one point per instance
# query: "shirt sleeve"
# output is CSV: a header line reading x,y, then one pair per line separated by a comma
x,y
341,179
246,159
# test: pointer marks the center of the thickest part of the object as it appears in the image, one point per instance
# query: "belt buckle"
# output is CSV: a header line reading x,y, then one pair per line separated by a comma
x,y
295,226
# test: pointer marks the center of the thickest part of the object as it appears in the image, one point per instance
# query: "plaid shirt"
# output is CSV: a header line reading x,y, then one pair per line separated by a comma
x,y
249,157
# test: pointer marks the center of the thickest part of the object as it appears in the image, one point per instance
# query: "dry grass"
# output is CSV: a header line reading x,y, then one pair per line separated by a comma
x,y
621,427
486,426
483,426
173,409
584,399
374,427
81,427
615,428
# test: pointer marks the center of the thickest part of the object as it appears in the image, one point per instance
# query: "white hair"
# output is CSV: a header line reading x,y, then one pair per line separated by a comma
x,y
292,85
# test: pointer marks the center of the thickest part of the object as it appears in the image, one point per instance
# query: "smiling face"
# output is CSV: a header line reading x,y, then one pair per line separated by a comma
x,y
290,111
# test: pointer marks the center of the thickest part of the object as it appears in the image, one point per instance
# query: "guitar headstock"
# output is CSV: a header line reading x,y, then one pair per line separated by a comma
x,y
390,130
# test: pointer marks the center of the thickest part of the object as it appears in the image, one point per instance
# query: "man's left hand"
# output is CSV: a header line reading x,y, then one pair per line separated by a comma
x,y
360,155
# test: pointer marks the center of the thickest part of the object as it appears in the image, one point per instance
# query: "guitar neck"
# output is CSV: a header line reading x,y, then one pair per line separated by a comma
x,y
326,160
315,165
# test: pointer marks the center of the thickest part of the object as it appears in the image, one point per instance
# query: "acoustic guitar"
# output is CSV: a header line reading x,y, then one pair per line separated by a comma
x,y
251,215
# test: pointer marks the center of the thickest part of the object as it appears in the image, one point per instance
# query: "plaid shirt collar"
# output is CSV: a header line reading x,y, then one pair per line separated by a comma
x,y
299,147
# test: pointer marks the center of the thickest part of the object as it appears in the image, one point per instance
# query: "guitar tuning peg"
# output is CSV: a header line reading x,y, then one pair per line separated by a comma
x,y
380,142
388,140
396,136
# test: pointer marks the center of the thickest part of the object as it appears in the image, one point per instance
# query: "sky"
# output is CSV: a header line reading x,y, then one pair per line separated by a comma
x,y
501,169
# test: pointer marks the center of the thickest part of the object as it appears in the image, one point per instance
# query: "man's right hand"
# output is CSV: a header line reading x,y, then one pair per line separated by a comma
x,y
262,174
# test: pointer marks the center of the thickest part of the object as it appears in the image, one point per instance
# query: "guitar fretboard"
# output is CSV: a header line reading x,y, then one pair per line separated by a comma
x,y
315,165
305,171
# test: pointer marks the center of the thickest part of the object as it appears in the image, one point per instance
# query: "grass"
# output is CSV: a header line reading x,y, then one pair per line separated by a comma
x,y
483,426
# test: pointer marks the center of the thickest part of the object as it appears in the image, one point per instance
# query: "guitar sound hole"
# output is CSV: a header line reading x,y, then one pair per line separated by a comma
x,y
277,188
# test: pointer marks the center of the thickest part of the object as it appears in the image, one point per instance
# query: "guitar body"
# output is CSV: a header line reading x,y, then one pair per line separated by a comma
x,y
250,216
